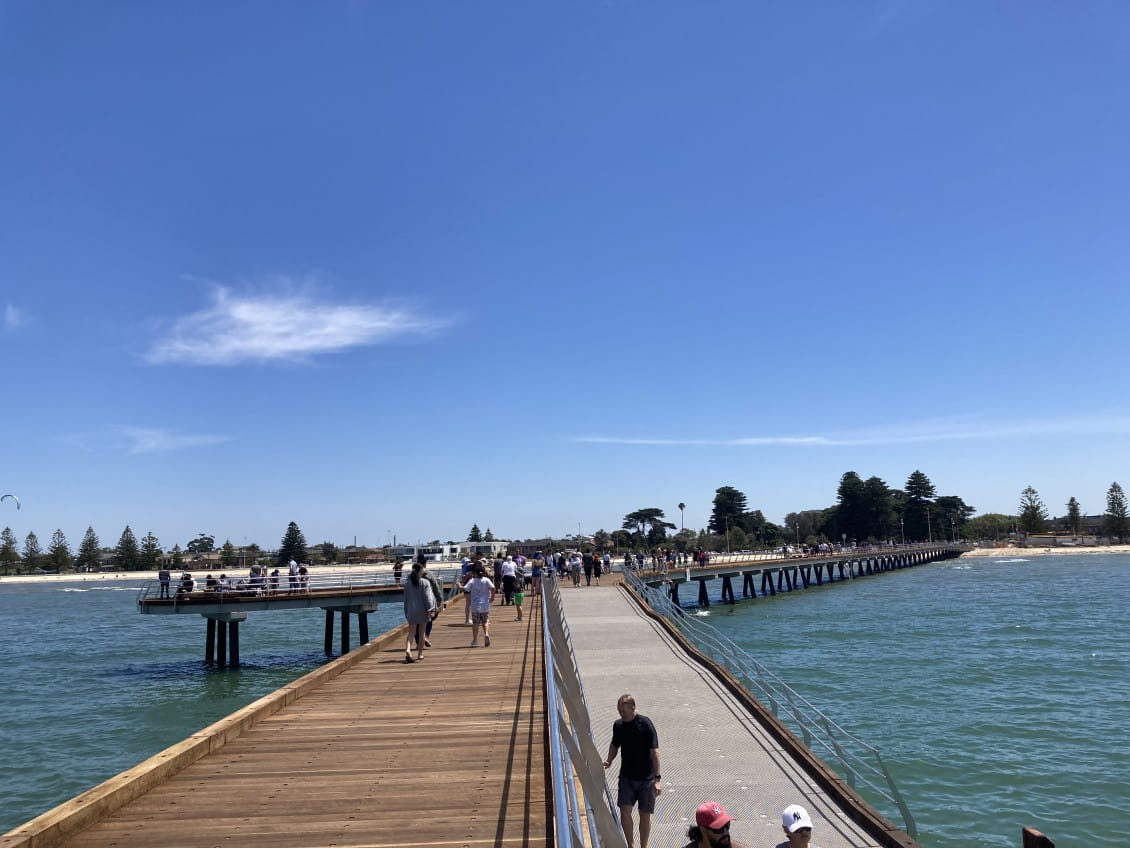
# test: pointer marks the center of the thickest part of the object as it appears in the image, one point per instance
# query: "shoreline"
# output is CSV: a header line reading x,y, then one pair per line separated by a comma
x,y
1013,552
151,576
1010,552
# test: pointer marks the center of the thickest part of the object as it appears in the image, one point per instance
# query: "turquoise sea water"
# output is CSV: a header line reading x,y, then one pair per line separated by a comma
x,y
997,690
90,687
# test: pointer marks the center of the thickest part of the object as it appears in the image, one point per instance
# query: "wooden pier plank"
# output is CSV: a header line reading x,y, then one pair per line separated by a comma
x,y
450,751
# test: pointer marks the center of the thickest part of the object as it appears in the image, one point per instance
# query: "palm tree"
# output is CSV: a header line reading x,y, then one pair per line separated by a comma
x,y
682,506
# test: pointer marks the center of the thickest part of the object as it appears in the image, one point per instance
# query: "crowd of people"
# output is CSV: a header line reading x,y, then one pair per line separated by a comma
x,y
257,583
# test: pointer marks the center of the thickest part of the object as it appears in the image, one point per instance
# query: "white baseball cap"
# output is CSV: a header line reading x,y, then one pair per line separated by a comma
x,y
795,817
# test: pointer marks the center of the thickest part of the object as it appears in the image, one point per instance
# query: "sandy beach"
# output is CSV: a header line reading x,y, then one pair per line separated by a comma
x,y
1013,551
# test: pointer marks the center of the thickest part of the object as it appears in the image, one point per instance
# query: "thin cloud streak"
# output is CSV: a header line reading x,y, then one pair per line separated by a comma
x,y
969,431
143,440
286,327
13,317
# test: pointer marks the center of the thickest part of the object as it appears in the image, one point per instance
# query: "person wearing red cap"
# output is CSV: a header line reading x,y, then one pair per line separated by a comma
x,y
711,828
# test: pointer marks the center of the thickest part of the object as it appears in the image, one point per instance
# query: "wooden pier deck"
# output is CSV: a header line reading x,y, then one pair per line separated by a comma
x,y
450,751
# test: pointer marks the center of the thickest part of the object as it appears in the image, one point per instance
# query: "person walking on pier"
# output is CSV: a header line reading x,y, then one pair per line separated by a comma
x,y
419,603
797,825
481,592
437,590
634,736
711,828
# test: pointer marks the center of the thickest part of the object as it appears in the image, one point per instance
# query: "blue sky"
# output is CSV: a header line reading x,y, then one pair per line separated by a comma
x,y
395,268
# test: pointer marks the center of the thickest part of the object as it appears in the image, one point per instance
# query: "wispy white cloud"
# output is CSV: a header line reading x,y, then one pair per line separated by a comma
x,y
139,440
966,429
13,317
283,325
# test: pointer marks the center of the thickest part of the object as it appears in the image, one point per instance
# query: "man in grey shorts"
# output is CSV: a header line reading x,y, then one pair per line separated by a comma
x,y
634,736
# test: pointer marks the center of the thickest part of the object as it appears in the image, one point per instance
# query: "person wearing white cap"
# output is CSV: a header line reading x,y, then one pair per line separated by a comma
x,y
797,825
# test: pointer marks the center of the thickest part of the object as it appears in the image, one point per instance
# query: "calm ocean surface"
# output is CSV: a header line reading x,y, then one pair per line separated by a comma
x,y
997,691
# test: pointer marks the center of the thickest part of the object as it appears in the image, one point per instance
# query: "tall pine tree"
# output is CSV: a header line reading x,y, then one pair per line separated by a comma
x,y
33,555
150,552
127,556
293,545
89,556
1116,520
59,555
9,556
1033,515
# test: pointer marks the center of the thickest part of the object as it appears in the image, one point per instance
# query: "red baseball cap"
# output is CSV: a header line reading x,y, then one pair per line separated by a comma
x,y
712,815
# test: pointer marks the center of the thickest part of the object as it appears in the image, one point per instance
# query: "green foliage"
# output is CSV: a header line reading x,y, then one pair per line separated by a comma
x,y
59,554
177,558
918,520
601,540
1033,515
990,526
150,552
89,556
953,513
1074,517
202,544
33,555
9,556
488,536
649,521
228,558
729,509
329,551
293,545
476,535
1116,520
127,556
621,539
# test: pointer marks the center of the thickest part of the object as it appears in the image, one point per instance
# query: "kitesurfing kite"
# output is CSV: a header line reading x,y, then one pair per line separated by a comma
x,y
13,497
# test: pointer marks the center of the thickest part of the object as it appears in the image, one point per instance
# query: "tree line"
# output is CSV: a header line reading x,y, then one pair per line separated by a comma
x,y
865,511
146,554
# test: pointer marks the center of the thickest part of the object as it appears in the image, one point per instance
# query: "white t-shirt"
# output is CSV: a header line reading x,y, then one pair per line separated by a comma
x,y
480,588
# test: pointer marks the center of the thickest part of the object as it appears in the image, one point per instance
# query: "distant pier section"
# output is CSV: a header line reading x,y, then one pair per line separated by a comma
x,y
225,606
788,573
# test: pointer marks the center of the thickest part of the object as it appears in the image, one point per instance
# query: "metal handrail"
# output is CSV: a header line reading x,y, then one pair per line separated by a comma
x,y
857,761
245,586
575,762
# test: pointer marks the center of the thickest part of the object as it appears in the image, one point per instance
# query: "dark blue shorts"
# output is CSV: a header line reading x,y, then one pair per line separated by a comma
x,y
632,792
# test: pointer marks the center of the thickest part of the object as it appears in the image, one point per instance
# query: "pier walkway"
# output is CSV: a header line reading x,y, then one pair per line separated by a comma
x,y
710,748
446,752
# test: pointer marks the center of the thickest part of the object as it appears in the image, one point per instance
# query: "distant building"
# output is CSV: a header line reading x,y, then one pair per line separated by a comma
x,y
432,553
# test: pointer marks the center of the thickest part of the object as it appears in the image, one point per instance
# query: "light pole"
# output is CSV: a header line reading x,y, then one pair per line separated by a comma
x,y
902,532
796,527
953,530
929,529
727,534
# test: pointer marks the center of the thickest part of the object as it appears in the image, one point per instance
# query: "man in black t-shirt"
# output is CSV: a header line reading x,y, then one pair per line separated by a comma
x,y
634,736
